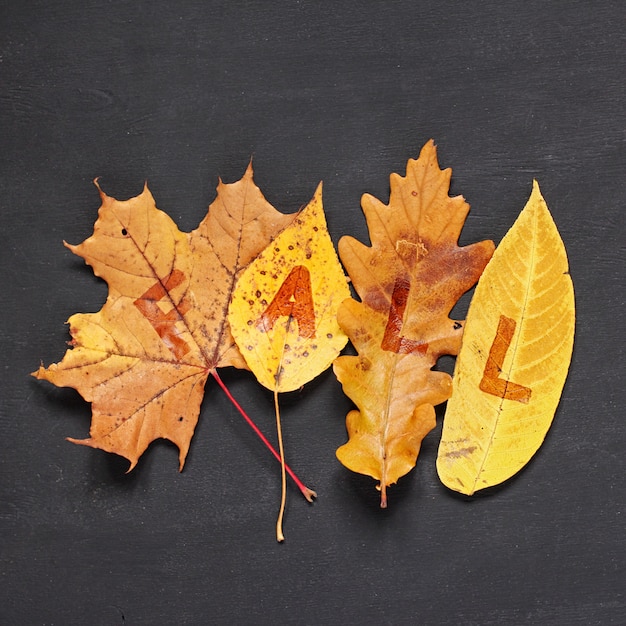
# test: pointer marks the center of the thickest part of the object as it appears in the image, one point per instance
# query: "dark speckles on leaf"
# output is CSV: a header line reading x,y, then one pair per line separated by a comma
x,y
124,232
250,302
249,322
257,293
329,335
457,325
290,247
181,418
305,353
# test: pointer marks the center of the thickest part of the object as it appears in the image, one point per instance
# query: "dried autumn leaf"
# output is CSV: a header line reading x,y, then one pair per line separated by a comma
x,y
143,359
283,313
514,358
408,281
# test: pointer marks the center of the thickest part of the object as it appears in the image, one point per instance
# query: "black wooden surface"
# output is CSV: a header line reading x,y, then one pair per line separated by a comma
x,y
181,93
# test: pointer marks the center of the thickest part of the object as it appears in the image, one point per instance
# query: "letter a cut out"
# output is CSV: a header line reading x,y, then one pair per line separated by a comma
x,y
164,323
491,382
294,299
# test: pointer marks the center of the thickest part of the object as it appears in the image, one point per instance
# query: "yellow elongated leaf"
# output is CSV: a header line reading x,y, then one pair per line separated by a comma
x,y
283,313
514,357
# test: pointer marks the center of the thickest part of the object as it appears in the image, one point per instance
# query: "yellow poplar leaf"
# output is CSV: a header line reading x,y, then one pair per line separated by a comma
x,y
514,357
283,314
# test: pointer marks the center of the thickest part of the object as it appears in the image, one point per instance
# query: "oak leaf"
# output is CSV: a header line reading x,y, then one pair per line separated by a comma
x,y
408,280
514,358
283,313
143,359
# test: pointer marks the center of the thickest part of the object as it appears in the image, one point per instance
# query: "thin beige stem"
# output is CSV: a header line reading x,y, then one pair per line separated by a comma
x,y
283,497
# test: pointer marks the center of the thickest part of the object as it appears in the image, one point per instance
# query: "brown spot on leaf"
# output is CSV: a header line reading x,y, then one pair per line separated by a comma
x,y
460,452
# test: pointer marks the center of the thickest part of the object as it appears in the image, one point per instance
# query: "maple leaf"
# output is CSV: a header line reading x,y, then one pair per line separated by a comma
x,y
143,359
408,281
283,312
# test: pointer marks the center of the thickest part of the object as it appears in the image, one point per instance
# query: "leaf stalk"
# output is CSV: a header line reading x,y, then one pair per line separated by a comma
x,y
309,494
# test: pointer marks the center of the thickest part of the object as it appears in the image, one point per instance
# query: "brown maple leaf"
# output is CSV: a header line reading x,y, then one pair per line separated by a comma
x,y
408,281
143,359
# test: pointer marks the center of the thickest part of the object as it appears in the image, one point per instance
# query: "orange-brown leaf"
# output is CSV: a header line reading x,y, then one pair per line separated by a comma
x,y
408,281
143,359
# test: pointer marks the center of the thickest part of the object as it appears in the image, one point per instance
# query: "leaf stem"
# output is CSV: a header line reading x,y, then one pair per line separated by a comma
x,y
309,494
283,478
383,497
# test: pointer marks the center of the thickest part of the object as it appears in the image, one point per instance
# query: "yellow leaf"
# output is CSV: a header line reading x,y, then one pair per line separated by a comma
x,y
283,313
514,357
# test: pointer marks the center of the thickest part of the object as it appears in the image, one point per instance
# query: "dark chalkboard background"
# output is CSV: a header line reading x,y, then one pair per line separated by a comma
x,y
181,93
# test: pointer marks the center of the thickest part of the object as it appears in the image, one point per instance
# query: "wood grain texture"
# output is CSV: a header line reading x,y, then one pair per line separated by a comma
x,y
181,93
